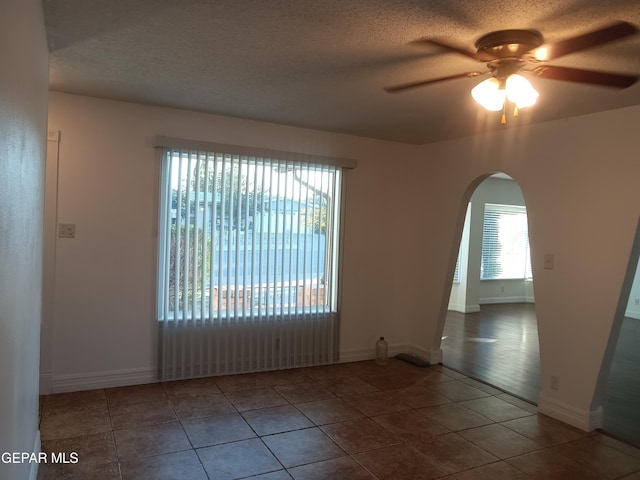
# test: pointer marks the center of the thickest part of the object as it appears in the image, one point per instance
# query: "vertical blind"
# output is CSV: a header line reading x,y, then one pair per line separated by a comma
x,y
505,243
246,237
248,244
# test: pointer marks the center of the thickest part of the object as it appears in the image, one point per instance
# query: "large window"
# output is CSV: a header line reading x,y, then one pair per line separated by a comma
x,y
505,243
246,237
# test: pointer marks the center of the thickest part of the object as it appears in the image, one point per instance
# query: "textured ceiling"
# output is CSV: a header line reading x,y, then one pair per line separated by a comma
x,y
323,63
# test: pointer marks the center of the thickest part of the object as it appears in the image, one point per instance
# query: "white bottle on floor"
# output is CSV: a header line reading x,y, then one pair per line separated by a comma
x,y
382,352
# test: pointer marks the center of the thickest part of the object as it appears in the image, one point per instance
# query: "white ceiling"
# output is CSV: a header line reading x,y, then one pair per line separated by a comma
x,y
323,63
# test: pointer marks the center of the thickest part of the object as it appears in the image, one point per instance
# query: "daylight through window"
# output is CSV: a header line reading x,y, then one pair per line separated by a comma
x,y
505,243
246,237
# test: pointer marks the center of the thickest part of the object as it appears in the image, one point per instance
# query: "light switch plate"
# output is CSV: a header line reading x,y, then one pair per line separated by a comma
x,y
548,261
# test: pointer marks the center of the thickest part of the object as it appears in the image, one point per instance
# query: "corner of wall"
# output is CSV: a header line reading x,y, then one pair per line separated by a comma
x,y
433,356
46,381
587,420
464,308
33,468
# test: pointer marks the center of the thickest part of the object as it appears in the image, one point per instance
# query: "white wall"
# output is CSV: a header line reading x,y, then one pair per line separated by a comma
x,y
579,180
103,326
23,116
458,296
401,239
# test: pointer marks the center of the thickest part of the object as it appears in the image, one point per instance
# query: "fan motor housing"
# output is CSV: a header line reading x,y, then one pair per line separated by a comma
x,y
509,43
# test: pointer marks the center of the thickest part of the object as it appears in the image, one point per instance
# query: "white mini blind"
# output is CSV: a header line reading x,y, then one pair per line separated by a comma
x,y
505,243
456,272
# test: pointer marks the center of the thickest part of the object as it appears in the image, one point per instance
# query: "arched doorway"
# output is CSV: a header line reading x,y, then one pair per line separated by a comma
x,y
490,332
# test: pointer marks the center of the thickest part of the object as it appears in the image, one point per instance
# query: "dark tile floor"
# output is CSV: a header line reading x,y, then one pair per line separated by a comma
x,y
348,421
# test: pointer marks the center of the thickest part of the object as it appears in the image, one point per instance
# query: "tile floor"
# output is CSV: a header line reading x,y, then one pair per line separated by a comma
x,y
348,421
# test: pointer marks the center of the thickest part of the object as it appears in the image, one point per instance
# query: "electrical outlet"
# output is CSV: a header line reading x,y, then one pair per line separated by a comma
x,y
67,230
555,383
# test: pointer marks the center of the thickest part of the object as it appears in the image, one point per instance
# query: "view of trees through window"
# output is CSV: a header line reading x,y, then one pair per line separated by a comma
x,y
246,236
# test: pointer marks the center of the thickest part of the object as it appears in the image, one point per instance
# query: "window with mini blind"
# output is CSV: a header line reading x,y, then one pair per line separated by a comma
x,y
246,236
505,243
456,273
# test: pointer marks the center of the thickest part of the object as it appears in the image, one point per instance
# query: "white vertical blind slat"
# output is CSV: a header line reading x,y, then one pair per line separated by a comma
x,y
243,245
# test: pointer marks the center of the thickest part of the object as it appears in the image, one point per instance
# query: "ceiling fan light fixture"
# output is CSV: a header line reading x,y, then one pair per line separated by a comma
x,y
541,54
489,94
520,91
492,93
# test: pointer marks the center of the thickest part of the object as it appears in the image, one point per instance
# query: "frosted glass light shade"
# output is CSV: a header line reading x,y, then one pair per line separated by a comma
x,y
489,94
520,91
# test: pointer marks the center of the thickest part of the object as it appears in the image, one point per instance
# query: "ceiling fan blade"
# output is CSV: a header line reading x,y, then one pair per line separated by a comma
x,y
605,79
479,57
422,83
589,40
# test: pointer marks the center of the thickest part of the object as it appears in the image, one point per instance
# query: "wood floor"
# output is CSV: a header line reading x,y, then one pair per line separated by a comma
x,y
499,346
621,403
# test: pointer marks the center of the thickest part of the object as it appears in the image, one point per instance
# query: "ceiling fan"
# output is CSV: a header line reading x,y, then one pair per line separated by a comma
x,y
509,52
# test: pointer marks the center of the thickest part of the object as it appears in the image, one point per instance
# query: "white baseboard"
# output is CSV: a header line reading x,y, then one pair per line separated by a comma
x,y
514,299
488,301
635,314
361,354
356,355
92,381
433,356
33,468
586,420
50,383
464,308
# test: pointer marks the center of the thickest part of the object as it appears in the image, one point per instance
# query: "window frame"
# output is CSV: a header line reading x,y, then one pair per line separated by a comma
x,y
507,209
332,257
